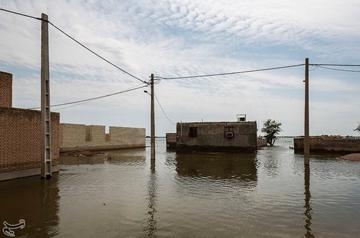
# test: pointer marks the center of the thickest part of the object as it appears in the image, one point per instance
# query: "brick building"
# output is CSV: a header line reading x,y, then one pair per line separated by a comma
x,y
20,136
5,89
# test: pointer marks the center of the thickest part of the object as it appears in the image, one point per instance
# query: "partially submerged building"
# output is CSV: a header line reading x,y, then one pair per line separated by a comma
x,y
20,136
217,136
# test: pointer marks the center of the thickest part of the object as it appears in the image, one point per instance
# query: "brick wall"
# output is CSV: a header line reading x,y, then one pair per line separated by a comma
x,y
20,139
72,135
5,89
96,135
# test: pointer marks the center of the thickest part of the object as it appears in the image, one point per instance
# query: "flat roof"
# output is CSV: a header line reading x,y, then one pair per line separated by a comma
x,y
220,122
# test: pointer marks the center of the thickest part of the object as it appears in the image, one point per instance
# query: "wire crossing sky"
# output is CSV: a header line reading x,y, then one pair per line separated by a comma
x,y
181,39
78,42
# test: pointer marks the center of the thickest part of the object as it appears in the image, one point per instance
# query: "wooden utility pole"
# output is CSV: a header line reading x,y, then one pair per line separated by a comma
x,y
152,118
306,119
46,165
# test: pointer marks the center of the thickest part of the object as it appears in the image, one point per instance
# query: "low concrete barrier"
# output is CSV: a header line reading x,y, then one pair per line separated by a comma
x,y
328,144
74,137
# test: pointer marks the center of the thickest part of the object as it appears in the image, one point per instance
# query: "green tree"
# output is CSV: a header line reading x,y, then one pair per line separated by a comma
x,y
358,128
271,128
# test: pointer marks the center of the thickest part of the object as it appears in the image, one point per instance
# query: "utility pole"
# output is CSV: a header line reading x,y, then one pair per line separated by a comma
x,y
152,118
306,119
46,166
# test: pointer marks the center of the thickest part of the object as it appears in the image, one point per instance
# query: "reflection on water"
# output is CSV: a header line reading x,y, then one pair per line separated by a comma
x,y
131,157
150,229
218,166
123,194
34,200
307,206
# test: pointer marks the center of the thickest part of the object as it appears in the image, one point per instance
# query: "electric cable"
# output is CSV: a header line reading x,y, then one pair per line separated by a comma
x,y
93,98
163,111
20,14
79,43
337,65
230,73
95,53
335,69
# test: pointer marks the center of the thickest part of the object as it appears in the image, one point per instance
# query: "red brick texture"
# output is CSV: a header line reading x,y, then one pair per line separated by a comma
x,y
20,139
5,89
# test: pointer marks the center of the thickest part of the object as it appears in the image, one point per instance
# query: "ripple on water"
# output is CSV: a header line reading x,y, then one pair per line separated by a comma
x,y
192,195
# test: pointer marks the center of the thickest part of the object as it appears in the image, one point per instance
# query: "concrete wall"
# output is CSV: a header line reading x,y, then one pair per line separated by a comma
x,y
81,137
211,136
20,142
95,135
170,140
127,136
5,89
328,144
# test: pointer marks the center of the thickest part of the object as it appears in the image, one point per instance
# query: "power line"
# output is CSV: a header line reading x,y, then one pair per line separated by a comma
x,y
180,77
72,105
93,98
231,73
78,42
98,55
337,65
20,14
344,70
163,111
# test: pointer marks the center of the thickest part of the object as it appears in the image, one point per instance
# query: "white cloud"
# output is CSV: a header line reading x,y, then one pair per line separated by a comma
x,y
173,37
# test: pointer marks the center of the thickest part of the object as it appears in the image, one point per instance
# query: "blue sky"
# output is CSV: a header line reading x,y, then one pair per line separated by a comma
x,y
182,37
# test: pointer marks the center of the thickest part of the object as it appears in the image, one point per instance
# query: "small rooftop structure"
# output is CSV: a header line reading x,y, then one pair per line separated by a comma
x,y
241,117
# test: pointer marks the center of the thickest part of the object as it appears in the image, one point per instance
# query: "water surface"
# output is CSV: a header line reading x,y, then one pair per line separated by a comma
x,y
269,194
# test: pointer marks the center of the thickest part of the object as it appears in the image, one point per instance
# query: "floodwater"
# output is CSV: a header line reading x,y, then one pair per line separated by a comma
x,y
269,194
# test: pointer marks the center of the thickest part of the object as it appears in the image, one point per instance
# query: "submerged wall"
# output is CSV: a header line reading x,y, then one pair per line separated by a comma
x,y
93,137
328,144
170,141
20,142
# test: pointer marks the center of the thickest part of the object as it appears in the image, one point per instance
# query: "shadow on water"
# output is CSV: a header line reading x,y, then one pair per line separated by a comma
x,y
34,200
241,167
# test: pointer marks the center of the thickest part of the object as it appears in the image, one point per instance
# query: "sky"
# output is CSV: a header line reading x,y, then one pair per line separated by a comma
x,y
185,37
